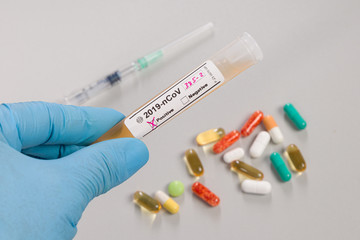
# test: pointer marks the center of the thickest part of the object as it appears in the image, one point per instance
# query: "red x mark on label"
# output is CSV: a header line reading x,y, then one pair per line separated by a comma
x,y
152,124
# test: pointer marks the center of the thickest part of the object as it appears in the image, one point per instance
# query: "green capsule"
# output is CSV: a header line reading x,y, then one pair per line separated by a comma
x,y
280,166
294,116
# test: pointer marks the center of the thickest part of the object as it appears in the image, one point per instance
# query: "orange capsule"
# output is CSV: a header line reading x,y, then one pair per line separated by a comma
x,y
205,194
228,140
273,129
252,123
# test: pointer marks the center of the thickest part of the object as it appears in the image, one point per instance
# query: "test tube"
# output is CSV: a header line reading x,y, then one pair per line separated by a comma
x,y
219,69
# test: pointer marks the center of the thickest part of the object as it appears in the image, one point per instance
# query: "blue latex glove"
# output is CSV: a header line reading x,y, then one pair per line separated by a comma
x,y
44,199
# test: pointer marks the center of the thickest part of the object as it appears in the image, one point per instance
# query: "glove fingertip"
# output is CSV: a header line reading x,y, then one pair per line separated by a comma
x,y
137,155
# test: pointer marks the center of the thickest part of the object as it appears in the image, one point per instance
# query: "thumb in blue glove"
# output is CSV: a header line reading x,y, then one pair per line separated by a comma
x,y
48,176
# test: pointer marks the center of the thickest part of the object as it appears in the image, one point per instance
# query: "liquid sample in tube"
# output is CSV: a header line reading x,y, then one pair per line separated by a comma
x,y
194,86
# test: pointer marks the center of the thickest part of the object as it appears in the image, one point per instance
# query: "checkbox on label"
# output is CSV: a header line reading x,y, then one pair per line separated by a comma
x,y
184,100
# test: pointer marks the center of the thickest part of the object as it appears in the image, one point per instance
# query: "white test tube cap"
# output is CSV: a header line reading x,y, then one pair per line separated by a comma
x,y
239,55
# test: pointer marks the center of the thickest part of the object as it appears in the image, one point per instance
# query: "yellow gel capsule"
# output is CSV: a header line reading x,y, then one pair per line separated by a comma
x,y
210,136
194,164
295,158
147,202
246,170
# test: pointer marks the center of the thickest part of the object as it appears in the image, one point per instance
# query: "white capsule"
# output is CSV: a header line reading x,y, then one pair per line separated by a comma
x,y
256,187
235,154
276,135
259,144
161,197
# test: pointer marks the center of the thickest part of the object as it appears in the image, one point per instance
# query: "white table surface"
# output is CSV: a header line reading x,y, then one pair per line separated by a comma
x,y
311,58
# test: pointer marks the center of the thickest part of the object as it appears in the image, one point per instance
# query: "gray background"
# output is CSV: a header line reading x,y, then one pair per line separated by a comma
x,y
311,51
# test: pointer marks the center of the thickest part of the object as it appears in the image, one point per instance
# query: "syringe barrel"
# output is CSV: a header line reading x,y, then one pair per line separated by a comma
x,y
82,95
176,46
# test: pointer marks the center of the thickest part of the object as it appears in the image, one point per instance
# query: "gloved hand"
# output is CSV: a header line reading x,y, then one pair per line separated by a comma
x,y
44,199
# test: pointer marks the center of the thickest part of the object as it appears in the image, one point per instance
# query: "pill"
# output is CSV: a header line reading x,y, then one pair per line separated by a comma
x,y
252,123
295,158
273,129
235,154
176,188
205,194
147,202
259,144
167,202
294,116
280,166
256,187
193,163
210,136
226,141
246,170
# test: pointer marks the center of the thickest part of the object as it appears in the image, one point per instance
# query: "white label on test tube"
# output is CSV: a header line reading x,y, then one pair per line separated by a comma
x,y
226,64
175,99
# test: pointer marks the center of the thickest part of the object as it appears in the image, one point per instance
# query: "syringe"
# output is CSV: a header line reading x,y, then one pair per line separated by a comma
x,y
81,96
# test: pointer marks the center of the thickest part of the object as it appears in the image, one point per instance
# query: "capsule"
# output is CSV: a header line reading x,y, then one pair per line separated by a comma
x,y
205,194
147,202
167,202
228,140
259,144
194,164
246,170
210,136
252,123
235,154
273,129
295,158
256,187
295,116
280,166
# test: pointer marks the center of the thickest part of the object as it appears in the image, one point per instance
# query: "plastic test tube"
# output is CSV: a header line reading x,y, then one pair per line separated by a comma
x,y
219,69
